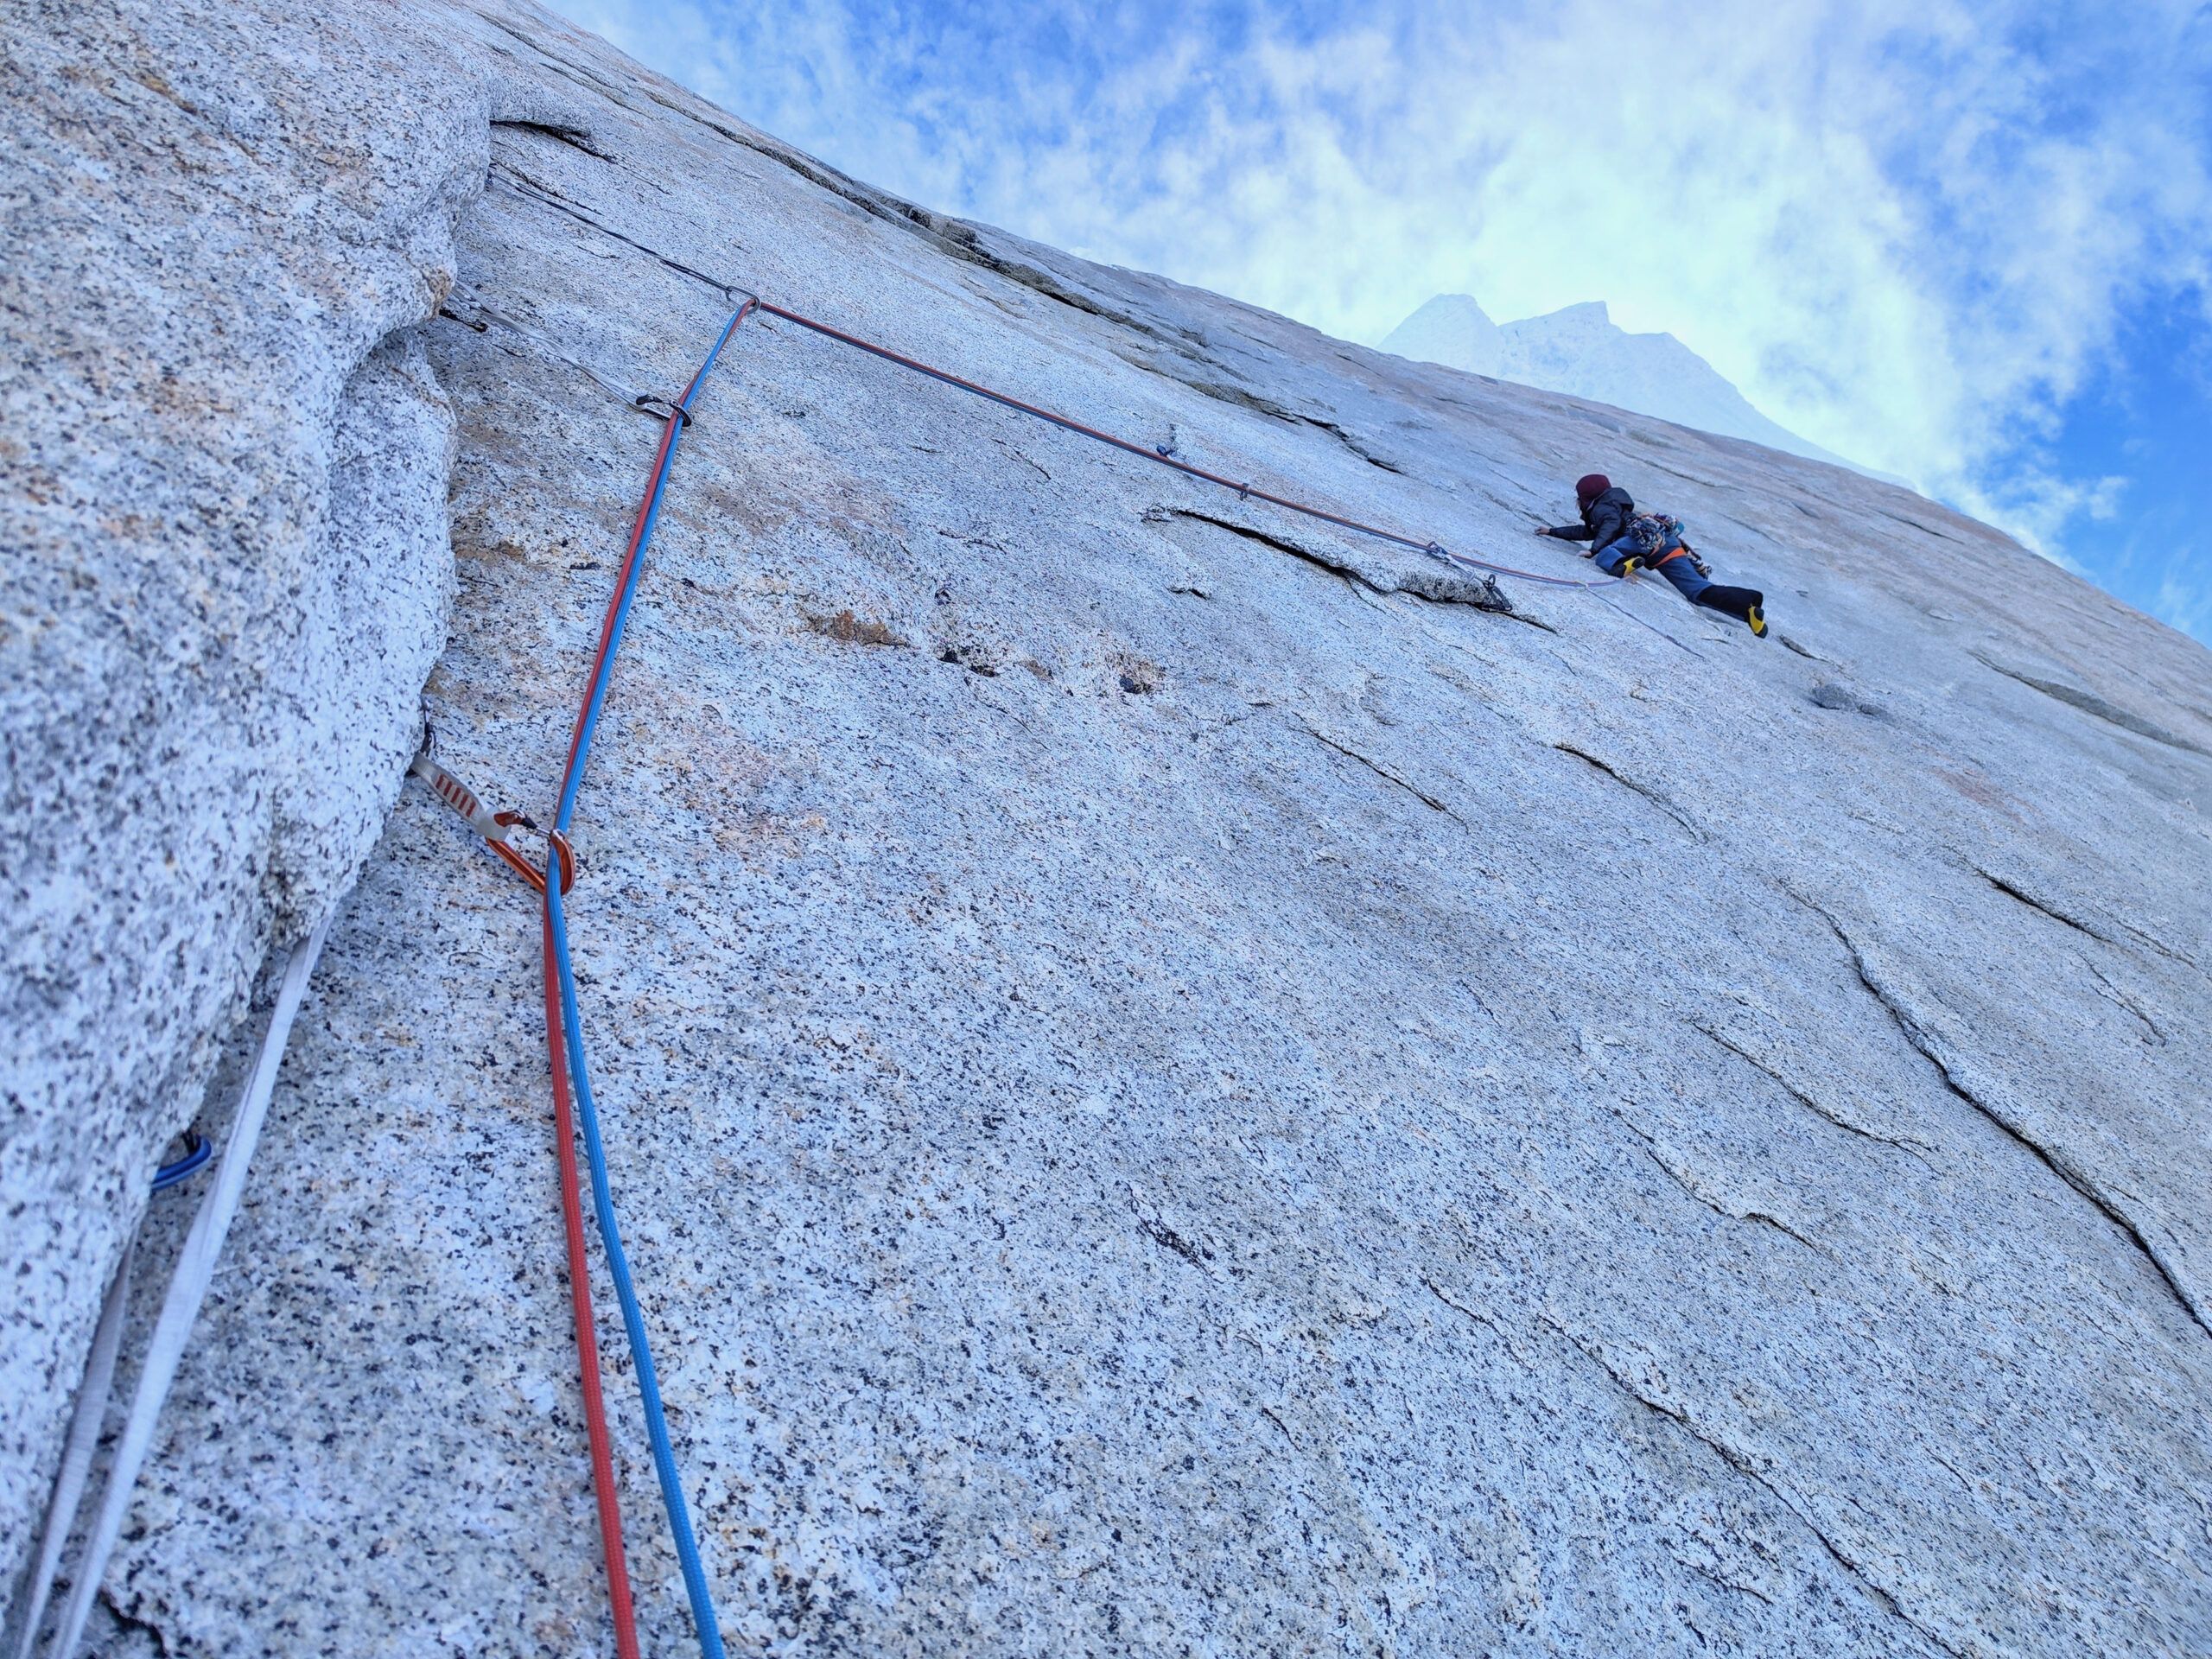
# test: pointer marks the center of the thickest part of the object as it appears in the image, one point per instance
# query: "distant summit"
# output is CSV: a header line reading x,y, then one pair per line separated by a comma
x,y
1580,351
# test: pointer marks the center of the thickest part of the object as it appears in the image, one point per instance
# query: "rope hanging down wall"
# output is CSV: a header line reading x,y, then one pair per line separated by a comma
x,y
564,1039
188,1282
90,1414
1246,491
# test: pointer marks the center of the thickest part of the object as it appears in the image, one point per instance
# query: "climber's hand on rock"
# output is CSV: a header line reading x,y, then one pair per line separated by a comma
x,y
1544,529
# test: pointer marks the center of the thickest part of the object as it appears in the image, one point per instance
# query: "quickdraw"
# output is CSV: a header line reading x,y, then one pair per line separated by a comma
x,y
494,826
662,409
564,1030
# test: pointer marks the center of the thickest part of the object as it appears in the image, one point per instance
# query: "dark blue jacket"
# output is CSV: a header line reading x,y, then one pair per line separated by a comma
x,y
1605,521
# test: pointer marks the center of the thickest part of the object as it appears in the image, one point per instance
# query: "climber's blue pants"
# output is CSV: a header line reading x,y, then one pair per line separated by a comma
x,y
1680,572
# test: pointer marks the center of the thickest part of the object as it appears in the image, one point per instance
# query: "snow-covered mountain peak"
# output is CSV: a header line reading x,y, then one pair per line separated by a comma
x,y
1588,313
1581,351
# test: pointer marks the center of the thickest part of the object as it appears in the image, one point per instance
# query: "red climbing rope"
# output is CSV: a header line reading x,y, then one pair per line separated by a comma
x,y
572,1214
1434,550
494,827
567,1053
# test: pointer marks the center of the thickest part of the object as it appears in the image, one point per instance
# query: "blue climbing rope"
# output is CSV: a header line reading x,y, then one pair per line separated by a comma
x,y
633,1320
197,1152
671,1481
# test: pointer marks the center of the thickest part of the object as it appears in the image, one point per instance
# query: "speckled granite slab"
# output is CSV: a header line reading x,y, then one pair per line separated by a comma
x,y
1174,1085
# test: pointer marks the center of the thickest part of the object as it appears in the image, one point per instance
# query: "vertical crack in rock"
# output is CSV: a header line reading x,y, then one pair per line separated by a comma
x,y
932,227
1010,449
1649,794
486,317
1238,398
1351,443
1460,1308
2114,993
2091,704
1168,1239
1684,1179
1508,1340
2057,1159
1438,587
1381,771
1676,472
2010,891
1742,1464
1166,1236
519,183
1506,608
1915,524
1913,1148
576,138
1711,1577
1319,559
2165,949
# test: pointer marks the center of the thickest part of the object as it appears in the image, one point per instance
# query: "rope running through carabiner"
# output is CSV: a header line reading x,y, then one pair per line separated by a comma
x,y
564,1034
564,1030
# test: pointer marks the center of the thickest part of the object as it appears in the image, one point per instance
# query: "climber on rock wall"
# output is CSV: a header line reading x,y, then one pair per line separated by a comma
x,y
1623,541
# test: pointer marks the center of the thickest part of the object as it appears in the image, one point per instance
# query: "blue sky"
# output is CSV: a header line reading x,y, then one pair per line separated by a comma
x,y
1971,244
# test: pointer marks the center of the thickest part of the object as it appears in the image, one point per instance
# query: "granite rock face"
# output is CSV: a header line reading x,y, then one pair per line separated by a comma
x,y
223,483
1174,1084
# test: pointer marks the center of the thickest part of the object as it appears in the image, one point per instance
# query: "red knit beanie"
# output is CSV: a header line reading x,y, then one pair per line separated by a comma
x,y
1590,487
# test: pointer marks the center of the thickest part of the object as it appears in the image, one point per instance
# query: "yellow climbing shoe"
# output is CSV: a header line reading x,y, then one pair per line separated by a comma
x,y
1757,618
1630,566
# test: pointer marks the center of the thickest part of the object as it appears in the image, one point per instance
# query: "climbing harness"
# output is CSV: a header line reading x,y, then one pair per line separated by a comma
x,y
188,1282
